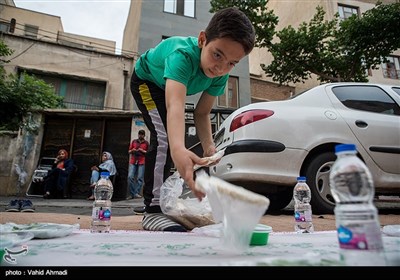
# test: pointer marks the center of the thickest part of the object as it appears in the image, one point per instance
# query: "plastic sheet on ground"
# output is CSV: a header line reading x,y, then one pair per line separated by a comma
x,y
144,248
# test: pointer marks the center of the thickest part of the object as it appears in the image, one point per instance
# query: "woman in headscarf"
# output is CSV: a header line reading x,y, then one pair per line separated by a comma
x,y
107,164
56,180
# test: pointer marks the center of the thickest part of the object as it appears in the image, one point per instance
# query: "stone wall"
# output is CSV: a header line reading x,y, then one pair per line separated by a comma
x,y
20,152
8,147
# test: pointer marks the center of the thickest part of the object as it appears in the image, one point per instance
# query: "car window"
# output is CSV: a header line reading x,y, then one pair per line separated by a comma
x,y
367,98
396,90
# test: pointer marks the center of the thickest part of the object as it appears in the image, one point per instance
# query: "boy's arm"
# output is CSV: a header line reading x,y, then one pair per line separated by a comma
x,y
184,160
203,123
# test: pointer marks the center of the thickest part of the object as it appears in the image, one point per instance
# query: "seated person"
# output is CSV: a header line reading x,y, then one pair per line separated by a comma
x,y
106,165
57,178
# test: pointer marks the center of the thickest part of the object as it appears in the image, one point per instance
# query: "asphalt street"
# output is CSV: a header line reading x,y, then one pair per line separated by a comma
x,y
74,206
125,207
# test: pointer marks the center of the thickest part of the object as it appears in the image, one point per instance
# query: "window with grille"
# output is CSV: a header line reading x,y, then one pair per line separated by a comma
x,y
180,7
78,94
31,31
4,26
391,68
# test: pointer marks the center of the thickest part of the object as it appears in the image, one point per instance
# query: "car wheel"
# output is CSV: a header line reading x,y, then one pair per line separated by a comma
x,y
317,173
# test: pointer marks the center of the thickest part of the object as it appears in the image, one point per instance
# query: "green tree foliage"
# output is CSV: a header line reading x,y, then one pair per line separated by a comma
x,y
308,50
332,50
21,95
4,51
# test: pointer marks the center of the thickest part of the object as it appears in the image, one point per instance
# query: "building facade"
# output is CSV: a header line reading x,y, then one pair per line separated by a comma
x,y
94,82
149,22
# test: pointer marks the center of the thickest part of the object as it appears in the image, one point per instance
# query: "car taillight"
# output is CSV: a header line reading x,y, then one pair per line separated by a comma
x,y
248,117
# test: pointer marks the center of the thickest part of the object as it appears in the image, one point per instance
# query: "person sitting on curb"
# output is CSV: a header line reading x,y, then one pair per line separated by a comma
x,y
57,178
106,165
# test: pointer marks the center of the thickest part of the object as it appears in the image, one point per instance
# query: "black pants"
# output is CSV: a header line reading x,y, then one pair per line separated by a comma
x,y
55,182
150,100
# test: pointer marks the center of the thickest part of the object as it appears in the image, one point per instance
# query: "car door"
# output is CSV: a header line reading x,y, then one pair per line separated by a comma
x,y
374,118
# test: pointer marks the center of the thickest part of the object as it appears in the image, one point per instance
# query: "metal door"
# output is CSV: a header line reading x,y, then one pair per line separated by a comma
x,y
117,135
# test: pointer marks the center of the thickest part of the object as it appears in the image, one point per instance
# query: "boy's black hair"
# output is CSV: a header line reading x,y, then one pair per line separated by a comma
x,y
234,24
142,132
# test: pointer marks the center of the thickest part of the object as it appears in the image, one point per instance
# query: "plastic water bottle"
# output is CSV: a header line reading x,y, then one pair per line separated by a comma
x,y
357,222
101,214
302,207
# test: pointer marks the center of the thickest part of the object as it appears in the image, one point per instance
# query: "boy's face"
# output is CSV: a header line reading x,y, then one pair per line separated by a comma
x,y
219,56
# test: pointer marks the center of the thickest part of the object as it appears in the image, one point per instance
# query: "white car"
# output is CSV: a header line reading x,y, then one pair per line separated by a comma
x,y
269,144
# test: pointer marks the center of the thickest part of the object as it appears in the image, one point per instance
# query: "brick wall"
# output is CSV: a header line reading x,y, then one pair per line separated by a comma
x,y
267,91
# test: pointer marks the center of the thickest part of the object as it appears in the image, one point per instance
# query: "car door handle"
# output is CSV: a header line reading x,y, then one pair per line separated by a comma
x,y
361,124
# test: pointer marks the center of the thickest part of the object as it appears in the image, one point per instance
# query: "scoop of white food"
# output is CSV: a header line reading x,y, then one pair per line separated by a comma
x,y
211,160
237,208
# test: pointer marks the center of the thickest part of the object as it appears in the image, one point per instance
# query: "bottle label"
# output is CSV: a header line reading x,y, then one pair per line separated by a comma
x,y
360,237
105,214
101,213
302,216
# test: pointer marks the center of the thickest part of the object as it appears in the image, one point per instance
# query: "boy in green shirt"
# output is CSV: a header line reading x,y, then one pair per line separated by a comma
x,y
162,78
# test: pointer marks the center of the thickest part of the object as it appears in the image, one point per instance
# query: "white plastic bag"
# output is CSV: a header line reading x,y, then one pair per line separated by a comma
x,y
176,202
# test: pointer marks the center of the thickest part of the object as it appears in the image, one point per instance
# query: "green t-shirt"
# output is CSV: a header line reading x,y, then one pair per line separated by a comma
x,y
178,59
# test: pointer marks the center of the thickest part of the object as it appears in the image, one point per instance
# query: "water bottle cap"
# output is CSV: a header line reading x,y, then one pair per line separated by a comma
x,y
105,173
301,178
345,147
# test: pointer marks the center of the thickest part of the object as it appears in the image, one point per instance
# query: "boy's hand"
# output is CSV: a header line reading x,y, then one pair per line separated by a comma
x,y
184,162
210,151
211,160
